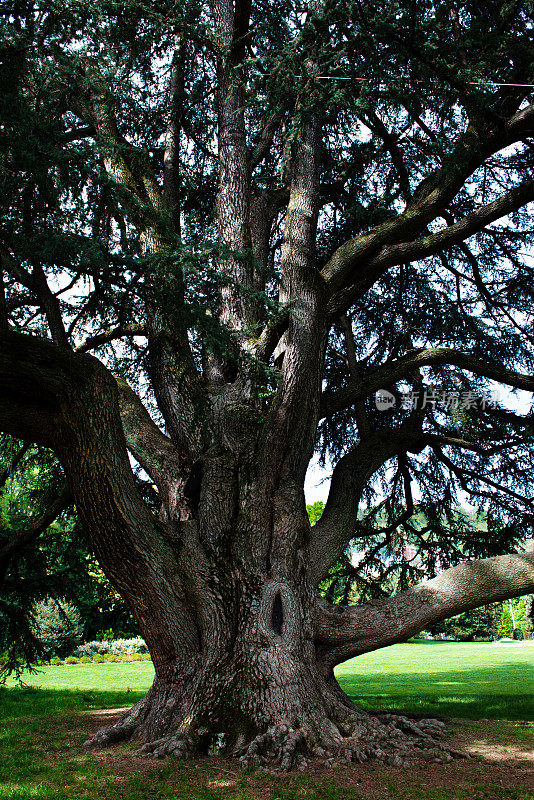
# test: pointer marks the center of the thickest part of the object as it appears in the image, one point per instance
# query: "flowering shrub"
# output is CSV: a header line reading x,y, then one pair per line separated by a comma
x,y
119,647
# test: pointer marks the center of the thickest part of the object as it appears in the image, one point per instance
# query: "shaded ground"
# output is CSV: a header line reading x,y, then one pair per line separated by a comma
x,y
42,730
501,768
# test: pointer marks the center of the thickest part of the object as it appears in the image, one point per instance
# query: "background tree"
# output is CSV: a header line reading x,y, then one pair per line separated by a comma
x,y
257,215
45,563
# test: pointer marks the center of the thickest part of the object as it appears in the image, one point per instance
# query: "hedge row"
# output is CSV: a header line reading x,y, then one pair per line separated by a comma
x,y
99,658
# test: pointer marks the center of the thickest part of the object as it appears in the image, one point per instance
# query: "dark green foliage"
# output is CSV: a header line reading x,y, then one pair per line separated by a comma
x,y
387,557
477,625
56,567
58,627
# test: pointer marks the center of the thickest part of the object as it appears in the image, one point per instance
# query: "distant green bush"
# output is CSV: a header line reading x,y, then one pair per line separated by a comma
x,y
97,658
85,660
57,625
72,660
55,661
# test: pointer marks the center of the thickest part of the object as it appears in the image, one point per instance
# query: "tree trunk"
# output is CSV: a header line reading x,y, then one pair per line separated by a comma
x,y
243,646
249,679
256,687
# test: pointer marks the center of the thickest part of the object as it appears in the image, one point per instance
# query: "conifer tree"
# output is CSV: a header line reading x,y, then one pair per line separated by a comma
x,y
225,227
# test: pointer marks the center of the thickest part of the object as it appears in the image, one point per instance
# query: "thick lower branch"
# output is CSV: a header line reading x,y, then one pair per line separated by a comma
x,y
343,633
70,402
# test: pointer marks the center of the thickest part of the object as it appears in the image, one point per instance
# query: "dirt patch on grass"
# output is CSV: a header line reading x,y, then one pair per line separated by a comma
x,y
501,765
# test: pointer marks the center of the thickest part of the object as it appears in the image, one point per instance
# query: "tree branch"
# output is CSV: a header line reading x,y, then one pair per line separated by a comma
x,y
154,451
6,474
230,27
389,374
35,528
69,402
302,291
119,332
171,158
461,230
342,633
265,139
331,534
355,262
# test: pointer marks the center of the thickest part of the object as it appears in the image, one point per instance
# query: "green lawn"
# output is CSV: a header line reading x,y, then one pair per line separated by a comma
x,y
41,730
453,679
476,680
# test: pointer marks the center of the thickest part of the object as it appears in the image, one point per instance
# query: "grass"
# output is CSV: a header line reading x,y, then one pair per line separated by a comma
x,y
452,679
41,729
473,680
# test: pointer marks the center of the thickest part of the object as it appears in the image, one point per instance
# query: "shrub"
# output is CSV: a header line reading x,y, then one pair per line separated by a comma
x,y
119,647
55,661
110,657
57,625
91,649
128,646
72,660
98,659
85,660
136,657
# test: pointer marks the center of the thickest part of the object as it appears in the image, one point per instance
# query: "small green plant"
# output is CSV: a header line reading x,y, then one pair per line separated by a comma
x,y
85,660
111,657
72,660
55,661
98,658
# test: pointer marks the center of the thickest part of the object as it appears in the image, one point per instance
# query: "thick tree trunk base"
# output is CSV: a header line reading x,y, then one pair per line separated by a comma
x,y
168,723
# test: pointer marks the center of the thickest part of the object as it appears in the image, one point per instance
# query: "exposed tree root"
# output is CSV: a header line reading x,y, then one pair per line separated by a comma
x,y
355,736
391,739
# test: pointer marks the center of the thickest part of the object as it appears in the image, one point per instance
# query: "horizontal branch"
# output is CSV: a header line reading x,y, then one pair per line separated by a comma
x,y
342,633
391,373
108,336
